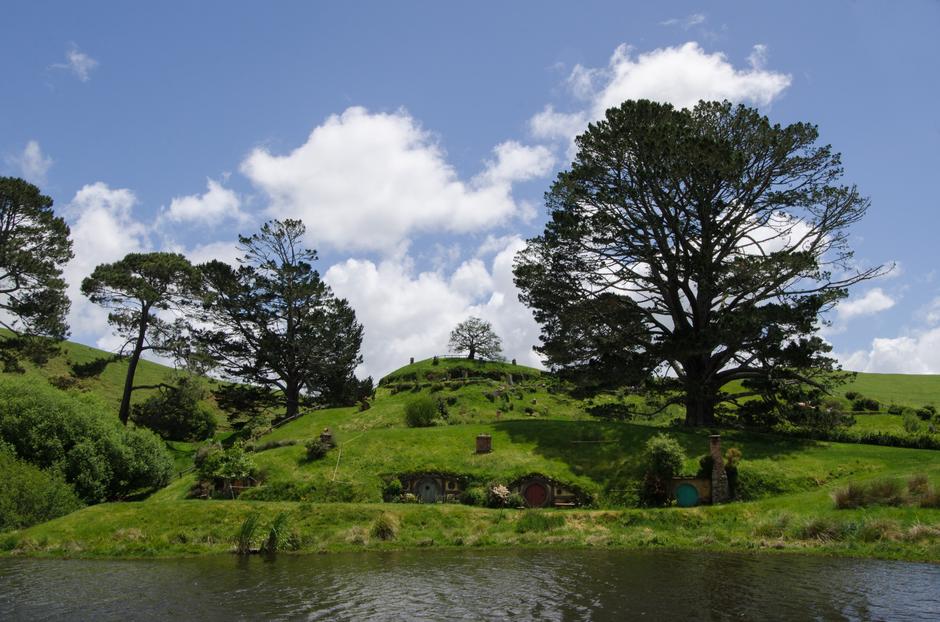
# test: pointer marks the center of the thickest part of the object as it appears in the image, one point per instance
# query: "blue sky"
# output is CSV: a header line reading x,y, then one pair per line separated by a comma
x,y
416,139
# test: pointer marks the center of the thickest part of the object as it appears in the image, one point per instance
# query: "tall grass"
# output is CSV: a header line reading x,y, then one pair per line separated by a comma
x,y
246,533
277,534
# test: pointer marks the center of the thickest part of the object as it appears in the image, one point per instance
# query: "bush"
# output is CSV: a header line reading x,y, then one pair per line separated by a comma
x,y
316,449
895,409
852,395
30,495
878,492
231,463
912,424
862,404
664,456
475,495
392,489
497,496
926,413
384,527
611,412
177,413
76,433
420,412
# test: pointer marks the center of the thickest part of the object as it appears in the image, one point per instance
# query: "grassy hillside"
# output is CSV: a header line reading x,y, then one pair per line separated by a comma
x,y
84,368
901,389
333,503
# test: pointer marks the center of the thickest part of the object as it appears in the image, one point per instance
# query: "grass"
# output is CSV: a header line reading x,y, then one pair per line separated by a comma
x,y
902,389
333,503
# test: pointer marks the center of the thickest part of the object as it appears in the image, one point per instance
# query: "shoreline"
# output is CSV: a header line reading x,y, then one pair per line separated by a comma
x,y
187,529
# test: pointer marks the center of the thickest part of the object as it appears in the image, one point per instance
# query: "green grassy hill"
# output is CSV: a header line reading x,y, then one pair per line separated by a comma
x,y
901,389
536,428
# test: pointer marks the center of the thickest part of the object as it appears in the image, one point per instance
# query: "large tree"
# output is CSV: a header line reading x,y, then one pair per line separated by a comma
x,y
34,246
149,296
477,338
274,323
700,245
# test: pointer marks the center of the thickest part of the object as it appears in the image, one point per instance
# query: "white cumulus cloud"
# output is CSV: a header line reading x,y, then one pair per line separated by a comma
x,y
103,230
367,181
681,75
411,314
31,164
873,301
218,203
909,354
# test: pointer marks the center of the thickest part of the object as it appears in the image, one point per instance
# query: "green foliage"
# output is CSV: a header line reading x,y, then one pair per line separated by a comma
x,y
862,404
134,290
392,489
877,492
663,456
246,533
277,533
231,463
474,495
34,247
611,411
316,449
689,184
276,324
178,413
420,412
927,412
30,495
72,433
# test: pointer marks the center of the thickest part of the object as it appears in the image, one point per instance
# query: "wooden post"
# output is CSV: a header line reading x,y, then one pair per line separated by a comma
x,y
484,443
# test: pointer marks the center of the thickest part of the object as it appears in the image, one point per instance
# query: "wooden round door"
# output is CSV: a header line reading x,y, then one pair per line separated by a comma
x,y
429,491
535,494
686,496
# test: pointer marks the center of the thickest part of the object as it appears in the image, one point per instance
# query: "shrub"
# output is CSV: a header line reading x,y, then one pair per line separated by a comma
x,y
177,413
918,485
497,496
392,489
912,424
862,404
420,412
231,463
927,412
664,456
277,534
265,446
852,395
878,492
820,528
384,527
539,521
895,409
475,495
316,449
101,458
246,533
29,495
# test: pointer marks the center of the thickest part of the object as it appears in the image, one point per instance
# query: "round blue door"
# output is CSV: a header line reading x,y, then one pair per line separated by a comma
x,y
686,495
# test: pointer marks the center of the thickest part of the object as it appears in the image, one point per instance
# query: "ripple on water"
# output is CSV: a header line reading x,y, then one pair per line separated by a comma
x,y
473,585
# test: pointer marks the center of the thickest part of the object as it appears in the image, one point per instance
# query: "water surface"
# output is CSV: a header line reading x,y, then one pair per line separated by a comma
x,y
473,585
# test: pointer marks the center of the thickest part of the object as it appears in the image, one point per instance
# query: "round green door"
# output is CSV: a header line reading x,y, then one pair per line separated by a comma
x,y
686,495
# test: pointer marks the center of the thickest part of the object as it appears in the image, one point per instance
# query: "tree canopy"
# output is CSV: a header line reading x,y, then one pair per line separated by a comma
x,y
34,246
476,337
136,289
700,245
273,322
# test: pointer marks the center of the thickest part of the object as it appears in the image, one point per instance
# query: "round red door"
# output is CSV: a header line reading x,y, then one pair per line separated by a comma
x,y
535,495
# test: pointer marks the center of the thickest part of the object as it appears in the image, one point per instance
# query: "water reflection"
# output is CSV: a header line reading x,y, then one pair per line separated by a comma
x,y
473,585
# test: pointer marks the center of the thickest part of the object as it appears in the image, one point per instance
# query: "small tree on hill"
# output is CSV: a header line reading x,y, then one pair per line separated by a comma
x,y
476,337
34,245
136,289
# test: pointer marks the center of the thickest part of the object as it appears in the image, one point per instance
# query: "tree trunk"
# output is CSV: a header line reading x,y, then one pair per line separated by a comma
x,y
699,410
473,352
292,399
125,411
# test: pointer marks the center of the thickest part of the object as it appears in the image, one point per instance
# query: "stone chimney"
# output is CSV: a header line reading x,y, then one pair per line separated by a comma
x,y
412,361
720,490
484,443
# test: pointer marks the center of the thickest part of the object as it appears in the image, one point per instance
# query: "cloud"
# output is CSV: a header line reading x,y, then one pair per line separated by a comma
x,y
685,22
31,164
411,314
215,205
79,63
680,75
368,181
915,354
874,301
103,230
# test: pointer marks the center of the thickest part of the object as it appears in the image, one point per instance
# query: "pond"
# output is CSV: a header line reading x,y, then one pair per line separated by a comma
x,y
473,585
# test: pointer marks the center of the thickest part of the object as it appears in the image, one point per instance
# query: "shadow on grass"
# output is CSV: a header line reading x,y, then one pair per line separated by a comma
x,y
611,453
